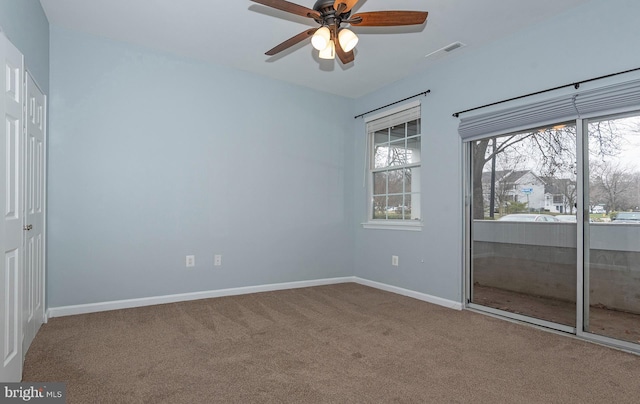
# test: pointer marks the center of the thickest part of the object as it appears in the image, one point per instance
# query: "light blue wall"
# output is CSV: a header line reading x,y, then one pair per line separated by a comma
x,y
598,38
153,157
26,26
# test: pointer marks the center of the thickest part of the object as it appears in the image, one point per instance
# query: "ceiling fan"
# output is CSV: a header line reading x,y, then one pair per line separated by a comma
x,y
331,38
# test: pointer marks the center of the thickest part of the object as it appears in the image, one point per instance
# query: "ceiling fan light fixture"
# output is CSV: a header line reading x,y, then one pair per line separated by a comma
x,y
329,52
330,15
320,40
348,40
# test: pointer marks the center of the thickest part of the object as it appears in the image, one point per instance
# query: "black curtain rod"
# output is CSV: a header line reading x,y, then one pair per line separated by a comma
x,y
576,85
393,103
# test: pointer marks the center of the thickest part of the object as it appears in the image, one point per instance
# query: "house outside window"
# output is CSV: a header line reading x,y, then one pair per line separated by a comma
x,y
513,187
394,151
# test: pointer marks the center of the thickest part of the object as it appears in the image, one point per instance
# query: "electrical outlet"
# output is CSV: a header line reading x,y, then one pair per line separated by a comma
x,y
217,260
191,261
394,260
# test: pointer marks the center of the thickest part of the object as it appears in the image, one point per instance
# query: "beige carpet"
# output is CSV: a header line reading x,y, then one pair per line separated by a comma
x,y
342,343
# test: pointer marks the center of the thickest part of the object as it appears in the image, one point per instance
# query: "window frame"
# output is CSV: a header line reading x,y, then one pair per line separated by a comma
x,y
386,223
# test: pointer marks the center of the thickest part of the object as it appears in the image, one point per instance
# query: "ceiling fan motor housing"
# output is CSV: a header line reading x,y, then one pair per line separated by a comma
x,y
328,13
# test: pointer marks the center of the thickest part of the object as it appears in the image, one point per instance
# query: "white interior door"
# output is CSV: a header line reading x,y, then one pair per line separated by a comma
x,y
34,185
11,233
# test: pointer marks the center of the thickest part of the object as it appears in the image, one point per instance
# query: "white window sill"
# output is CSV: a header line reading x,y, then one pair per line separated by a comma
x,y
409,225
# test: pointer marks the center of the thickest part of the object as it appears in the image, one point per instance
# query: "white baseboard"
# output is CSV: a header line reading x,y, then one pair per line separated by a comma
x,y
182,297
451,304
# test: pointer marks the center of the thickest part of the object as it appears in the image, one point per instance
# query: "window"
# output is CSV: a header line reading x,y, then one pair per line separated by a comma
x,y
394,168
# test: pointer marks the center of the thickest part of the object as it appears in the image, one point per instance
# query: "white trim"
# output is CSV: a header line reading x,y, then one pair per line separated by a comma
x,y
392,111
410,225
183,297
451,304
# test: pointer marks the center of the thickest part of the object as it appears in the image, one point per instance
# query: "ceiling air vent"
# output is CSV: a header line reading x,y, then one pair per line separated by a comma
x,y
453,46
443,51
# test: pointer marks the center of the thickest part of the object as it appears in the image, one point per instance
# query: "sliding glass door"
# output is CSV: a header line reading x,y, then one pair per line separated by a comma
x,y
555,233
553,209
612,229
523,231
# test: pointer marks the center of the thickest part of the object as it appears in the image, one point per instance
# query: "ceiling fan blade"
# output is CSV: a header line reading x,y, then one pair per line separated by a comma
x,y
292,41
343,6
388,18
345,57
289,7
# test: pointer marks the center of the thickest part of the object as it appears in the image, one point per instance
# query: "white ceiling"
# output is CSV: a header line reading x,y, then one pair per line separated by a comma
x,y
236,33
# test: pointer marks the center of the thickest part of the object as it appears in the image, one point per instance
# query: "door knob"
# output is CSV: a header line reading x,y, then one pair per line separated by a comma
x,y
28,227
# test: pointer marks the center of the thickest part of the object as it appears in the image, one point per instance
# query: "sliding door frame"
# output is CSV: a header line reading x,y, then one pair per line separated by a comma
x,y
584,240
468,252
582,249
582,267
467,218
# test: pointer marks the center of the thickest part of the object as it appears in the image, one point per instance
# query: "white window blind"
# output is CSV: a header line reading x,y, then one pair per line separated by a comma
x,y
408,114
611,99
604,100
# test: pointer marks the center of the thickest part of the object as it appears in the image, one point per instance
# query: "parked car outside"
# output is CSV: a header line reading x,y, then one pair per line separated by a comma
x,y
566,218
528,217
627,217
